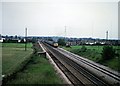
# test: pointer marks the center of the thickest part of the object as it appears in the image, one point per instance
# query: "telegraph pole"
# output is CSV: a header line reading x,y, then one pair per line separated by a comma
x,y
106,35
65,33
25,39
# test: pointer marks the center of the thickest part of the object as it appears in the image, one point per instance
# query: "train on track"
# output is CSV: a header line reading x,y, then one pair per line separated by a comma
x,y
52,43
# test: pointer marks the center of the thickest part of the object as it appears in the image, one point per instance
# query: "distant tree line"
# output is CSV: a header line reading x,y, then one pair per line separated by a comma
x,y
18,41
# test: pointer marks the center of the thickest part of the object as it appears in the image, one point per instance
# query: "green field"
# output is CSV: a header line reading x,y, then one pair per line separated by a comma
x,y
13,54
38,71
94,53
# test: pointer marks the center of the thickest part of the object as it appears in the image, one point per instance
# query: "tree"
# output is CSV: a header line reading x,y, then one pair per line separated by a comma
x,y
108,52
11,37
61,41
6,37
16,37
34,40
83,49
50,39
22,41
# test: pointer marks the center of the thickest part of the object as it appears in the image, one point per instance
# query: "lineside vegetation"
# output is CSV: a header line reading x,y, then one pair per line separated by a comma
x,y
38,70
105,55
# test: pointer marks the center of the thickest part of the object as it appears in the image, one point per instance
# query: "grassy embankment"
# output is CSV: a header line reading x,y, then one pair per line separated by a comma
x,y
37,71
94,53
13,54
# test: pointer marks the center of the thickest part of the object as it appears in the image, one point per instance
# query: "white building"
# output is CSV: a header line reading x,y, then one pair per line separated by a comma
x,y
1,40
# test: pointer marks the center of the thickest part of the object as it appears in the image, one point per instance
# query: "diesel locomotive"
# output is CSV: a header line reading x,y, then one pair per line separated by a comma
x,y
52,43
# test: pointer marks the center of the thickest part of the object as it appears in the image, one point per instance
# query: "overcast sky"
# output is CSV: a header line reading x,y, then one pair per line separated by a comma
x,y
49,18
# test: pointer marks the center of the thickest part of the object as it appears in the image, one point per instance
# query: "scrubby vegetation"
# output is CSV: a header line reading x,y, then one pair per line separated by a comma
x,y
61,42
38,71
105,55
108,52
83,49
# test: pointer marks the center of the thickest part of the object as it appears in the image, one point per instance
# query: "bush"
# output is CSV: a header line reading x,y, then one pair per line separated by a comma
x,y
34,40
108,53
83,49
61,42
22,41
10,41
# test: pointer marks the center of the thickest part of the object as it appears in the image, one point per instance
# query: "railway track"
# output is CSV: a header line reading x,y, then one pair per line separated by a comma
x,y
105,70
63,67
77,74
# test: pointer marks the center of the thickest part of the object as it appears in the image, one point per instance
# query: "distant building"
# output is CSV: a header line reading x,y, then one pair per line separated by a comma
x,y
1,39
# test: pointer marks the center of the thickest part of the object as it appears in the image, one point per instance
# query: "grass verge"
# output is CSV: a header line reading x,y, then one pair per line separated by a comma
x,y
37,71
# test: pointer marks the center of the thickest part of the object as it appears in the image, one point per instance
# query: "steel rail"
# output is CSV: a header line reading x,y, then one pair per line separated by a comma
x,y
111,74
74,80
86,74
